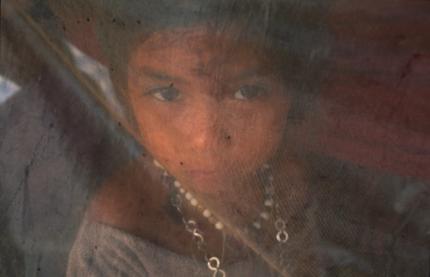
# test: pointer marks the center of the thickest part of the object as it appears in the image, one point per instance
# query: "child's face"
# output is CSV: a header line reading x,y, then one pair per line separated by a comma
x,y
208,108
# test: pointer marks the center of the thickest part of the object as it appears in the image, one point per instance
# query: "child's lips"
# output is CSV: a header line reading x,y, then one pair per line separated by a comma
x,y
201,172
201,175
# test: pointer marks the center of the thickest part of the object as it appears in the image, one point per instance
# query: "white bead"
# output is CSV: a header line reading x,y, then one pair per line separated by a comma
x,y
264,215
282,236
219,225
268,202
181,190
177,184
194,202
157,164
257,225
188,196
206,213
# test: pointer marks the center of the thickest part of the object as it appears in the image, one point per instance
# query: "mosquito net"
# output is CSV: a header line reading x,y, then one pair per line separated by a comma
x,y
214,138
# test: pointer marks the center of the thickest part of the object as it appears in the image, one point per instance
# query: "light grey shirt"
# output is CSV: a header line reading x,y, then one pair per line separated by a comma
x,y
101,250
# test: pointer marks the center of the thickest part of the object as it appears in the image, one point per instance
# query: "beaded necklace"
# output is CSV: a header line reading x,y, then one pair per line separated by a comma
x,y
271,208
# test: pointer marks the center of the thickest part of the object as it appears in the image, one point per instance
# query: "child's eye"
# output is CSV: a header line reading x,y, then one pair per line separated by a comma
x,y
248,92
166,94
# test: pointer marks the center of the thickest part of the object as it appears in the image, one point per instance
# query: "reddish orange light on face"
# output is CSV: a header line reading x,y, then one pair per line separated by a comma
x,y
207,107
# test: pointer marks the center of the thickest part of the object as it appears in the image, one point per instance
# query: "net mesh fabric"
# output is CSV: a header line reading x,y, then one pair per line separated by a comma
x,y
144,139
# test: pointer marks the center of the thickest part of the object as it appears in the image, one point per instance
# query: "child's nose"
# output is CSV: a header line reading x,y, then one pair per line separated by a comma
x,y
209,130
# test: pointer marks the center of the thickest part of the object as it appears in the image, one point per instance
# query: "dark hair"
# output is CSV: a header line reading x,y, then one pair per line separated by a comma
x,y
293,31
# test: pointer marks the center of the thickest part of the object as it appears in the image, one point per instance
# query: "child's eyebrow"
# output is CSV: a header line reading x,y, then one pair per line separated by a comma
x,y
159,75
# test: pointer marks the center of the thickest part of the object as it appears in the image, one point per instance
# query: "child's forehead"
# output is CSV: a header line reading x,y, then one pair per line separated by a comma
x,y
192,35
200,48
